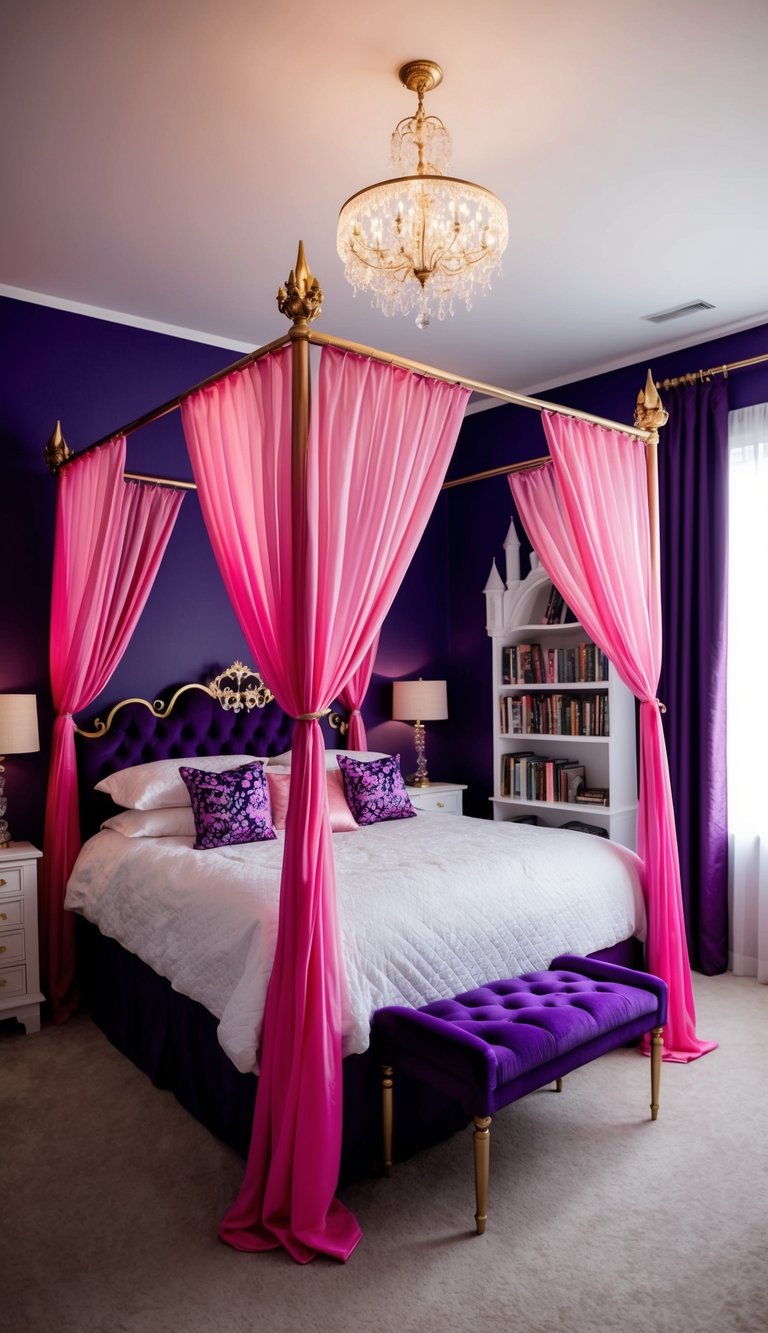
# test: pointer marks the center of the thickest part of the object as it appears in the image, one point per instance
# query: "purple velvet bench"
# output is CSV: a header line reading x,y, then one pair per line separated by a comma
x,y
492,1045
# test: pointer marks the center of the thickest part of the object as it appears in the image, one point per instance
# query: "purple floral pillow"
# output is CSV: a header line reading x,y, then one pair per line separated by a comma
x,y
230,807
375,791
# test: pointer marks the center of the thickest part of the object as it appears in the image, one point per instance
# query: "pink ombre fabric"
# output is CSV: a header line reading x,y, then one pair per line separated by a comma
x,y
311,582
587,517
352,695
110,539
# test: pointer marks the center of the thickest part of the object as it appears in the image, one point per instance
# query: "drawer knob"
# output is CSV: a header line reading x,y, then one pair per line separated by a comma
x,y
2,883
3,916
3,981
441,805
3,948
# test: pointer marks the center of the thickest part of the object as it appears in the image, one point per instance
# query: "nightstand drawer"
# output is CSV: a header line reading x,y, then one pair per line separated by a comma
x,y
11,947
444,802
10,881
11,912
13,981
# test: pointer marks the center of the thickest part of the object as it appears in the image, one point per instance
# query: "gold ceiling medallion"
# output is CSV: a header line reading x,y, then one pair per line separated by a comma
x,y
423,240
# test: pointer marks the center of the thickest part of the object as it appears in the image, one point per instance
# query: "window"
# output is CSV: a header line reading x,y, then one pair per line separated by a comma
x,y
747,691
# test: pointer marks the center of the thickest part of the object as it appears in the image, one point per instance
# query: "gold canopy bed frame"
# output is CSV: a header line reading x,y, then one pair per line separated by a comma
x,y
300,300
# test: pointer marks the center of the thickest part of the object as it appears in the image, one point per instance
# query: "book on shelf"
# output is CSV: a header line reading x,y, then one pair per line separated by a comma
x,y
534,664
554,714
574,783
593,796
556,608
527,776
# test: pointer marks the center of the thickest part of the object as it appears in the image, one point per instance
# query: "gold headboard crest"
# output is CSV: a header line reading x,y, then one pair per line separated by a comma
x,y
245,690
236,688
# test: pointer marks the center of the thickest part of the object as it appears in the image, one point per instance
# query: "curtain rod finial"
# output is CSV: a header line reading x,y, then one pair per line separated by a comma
x,y
56,451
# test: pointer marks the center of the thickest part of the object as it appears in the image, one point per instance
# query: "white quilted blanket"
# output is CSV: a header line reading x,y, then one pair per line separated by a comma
x,y
428,907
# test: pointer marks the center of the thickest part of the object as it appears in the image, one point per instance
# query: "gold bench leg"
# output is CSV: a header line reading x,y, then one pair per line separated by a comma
x,y
657,1042
386,1117
482,1144
558,1085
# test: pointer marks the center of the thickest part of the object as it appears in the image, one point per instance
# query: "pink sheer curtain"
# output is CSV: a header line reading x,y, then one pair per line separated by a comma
x,y
587,517
110,539
311,577
352,695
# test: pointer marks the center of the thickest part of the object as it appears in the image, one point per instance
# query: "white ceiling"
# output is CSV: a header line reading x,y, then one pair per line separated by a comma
x,y
162,158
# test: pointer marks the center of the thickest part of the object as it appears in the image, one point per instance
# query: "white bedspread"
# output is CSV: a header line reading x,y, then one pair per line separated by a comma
x,y
428,907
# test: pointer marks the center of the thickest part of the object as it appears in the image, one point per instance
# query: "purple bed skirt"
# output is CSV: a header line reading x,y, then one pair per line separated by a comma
x,y
173,1040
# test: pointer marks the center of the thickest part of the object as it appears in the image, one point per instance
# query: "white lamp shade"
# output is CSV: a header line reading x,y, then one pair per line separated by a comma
x,y
18,724
419,700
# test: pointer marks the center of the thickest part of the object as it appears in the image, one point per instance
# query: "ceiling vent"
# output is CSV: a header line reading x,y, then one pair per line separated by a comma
x,y
678,312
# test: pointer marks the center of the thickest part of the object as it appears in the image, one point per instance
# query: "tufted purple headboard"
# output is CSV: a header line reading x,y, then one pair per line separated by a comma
x,y
198,725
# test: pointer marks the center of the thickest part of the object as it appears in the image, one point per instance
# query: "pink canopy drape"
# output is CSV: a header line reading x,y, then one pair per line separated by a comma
x,y
311,572
110,539
587,516
352,695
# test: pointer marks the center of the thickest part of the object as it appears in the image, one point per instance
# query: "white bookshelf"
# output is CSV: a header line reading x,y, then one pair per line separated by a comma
x,y
515,612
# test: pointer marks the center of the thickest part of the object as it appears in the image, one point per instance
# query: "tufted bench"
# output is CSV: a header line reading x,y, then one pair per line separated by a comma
x,y
491,1046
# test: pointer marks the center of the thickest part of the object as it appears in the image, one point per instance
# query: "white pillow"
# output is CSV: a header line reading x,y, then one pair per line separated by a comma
x,y
284,760
174,821
158,784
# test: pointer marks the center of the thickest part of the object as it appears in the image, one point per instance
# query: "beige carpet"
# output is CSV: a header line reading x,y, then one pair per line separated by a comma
x,y
598,1219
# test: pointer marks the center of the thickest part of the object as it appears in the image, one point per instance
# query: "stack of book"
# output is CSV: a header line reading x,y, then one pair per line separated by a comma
x,y
593,796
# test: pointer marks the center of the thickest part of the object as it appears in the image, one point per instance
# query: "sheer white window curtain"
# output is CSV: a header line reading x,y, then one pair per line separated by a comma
x,y
747,702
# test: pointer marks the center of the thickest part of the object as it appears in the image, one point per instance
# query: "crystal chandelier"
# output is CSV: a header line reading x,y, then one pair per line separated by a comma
x,y
422,240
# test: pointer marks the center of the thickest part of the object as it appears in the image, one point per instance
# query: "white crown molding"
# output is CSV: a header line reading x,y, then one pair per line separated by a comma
x,y
119,317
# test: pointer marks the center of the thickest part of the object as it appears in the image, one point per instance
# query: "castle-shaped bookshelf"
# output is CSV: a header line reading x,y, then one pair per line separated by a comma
x,y
563,721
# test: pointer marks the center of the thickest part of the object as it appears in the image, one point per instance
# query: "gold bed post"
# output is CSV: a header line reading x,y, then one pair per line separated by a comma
x,y
650,415
301,301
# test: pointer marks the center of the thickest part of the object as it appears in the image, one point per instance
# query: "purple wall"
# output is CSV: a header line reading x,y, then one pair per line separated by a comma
x,y
479,515
95,376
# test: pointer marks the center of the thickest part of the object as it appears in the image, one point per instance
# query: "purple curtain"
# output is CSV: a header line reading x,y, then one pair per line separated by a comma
x,y
693,496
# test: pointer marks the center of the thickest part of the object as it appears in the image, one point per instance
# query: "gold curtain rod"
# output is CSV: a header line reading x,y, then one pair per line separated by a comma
x,y
700,375
161,481
477,386
498,472
446,486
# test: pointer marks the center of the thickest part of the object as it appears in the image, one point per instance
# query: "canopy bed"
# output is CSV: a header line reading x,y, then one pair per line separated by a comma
x,y
313,517
184,942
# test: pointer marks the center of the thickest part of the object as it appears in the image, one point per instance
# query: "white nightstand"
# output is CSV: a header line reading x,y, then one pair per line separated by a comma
x,y
445,797
20,996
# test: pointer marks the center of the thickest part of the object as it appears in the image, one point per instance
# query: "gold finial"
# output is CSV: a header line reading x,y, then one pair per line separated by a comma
x,y
301,299
56,451
650,414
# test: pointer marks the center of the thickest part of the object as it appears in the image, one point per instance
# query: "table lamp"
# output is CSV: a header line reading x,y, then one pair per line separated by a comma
x,y
18,735
419,701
